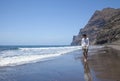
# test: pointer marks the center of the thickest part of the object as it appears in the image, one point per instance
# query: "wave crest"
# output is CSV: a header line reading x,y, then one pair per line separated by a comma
x,y
30,55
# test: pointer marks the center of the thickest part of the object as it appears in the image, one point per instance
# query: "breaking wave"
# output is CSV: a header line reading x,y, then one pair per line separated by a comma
x,y
23,55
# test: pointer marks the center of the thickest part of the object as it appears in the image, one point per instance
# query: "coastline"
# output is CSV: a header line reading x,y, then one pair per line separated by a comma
x,y
102,65
115,45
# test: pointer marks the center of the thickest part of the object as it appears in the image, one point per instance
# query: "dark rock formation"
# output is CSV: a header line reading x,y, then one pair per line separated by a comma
x,y
99,25
110,32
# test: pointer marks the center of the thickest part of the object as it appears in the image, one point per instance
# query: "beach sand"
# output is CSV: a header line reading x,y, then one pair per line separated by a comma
x,y
106,64
103,65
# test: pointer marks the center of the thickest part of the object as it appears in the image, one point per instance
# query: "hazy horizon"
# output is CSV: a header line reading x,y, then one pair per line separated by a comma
x,y
46,22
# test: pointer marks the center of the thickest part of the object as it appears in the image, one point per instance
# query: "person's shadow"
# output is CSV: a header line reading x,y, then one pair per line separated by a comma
x,y
87,73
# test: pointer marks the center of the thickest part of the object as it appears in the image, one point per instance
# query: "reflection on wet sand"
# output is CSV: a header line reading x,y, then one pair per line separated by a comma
x,y
102,65
87,73
106,66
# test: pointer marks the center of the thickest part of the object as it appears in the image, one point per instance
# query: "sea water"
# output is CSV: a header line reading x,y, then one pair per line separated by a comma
x,y
17,55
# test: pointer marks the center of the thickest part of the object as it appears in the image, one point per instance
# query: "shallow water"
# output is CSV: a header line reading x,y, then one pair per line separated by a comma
x,y
102,65
12,55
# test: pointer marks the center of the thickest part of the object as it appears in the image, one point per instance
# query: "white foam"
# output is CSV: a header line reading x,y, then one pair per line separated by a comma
x,y
18,60
30,55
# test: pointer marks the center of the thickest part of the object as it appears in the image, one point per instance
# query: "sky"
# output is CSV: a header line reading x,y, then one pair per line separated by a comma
x,y
46,22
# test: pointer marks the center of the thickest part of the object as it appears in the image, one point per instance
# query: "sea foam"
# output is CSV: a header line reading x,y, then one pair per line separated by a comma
x,y
31,55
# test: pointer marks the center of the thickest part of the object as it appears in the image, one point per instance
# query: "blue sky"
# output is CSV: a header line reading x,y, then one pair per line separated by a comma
x,y
46,22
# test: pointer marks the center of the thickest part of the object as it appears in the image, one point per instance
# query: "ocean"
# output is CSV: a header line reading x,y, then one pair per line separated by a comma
x,y
18,55
53,63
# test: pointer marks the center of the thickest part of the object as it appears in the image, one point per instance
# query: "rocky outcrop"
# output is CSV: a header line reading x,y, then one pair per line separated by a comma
x,y
99,25
110,32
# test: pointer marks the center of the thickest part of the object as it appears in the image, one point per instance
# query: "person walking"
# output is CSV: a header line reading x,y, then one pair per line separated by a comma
x,y
85,46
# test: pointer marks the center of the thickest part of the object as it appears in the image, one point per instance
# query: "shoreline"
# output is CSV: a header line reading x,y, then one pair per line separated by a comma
x,y
102,65
117,47
114,45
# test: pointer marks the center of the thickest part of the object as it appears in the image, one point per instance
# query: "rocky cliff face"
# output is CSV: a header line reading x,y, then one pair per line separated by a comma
x,y
101,27
110,32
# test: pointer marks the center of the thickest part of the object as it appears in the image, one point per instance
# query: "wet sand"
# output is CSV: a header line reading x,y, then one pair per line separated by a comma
x,y
106,64
103,65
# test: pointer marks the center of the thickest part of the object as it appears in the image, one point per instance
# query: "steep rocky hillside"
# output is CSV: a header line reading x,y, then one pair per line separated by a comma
x,y
110,32
98,26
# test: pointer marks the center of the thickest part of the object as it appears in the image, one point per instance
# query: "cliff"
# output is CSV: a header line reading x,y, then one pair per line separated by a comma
x,y
103,27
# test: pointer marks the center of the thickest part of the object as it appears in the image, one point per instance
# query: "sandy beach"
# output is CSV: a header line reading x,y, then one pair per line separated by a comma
x,y
106,64
103,65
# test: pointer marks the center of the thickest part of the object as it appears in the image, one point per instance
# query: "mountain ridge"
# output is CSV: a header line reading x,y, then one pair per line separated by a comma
x,y
96,24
